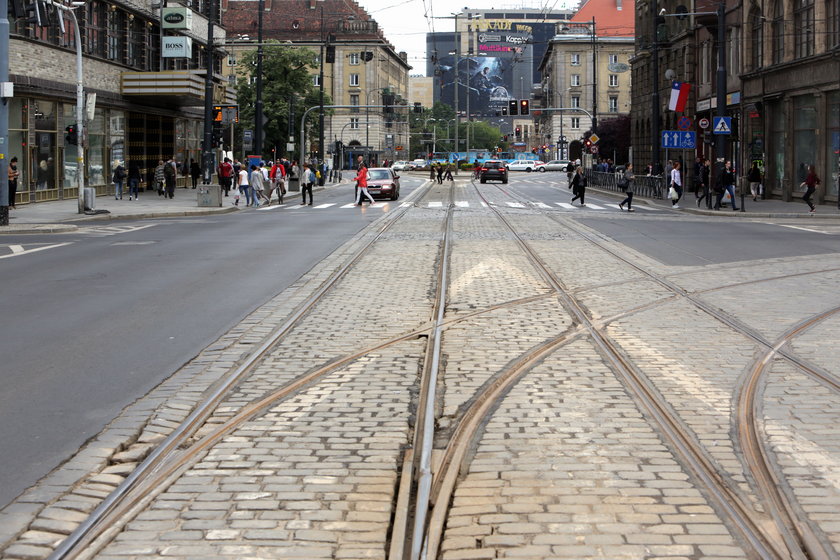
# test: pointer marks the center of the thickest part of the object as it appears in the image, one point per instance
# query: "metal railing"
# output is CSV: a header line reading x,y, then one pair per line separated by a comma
x,y
649,186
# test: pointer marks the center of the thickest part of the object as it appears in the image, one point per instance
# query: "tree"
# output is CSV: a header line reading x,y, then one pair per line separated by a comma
x,y
286,78
614,137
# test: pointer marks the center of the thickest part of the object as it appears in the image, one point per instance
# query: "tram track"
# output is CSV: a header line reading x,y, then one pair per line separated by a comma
x,y
792,537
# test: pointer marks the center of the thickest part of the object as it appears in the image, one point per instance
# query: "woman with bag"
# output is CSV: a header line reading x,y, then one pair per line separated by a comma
x,y
160,177
676,190
754,178
811,182
626,182
579,186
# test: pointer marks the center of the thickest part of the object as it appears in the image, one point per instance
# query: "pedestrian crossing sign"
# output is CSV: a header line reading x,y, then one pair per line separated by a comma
x,y
722,125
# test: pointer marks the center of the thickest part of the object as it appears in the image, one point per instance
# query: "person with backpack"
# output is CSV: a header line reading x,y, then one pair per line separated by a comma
x,y
118,178
169,174
225,173
754,178
578,186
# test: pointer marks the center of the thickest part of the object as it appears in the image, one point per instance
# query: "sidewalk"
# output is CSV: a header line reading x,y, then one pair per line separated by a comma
x,y
62,216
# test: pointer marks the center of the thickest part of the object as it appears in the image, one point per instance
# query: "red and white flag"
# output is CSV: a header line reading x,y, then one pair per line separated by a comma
x,y
679,96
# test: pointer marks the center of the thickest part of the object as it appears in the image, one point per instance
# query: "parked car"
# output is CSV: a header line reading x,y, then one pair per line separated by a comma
x,y
383,182
493,170
526,165
401,166
557,165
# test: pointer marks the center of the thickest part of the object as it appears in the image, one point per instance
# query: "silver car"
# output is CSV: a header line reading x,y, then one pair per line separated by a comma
x,y
557,165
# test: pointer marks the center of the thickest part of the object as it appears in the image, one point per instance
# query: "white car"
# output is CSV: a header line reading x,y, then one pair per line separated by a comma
x,y
418,164
526,165
401,166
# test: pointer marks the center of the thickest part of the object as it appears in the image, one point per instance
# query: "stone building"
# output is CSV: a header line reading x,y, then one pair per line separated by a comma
x,y
586,67
148,103
365,70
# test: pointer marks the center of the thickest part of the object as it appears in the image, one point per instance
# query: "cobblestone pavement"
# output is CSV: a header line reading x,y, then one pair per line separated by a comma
x,y
568,464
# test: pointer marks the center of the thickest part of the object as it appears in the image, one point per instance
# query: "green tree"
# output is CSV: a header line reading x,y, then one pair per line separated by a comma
x,y
286,78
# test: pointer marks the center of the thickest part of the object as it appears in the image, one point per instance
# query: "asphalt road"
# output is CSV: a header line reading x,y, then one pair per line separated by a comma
x,y
90,326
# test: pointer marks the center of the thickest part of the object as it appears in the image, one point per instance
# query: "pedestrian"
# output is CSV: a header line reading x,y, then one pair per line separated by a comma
x,y
579,186
754,178
14,174
244,187
698,169
195,172
170,171
570,169
725,183
440,173
361,180
360,163
307,178
225,173
275,181
160,177
811,182
704,185
626,182
118,178
448,174
237,167
134,180
676,184
256,182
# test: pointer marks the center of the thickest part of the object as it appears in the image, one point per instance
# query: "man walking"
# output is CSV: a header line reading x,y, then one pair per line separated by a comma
x,y
225,172
306,180
169,173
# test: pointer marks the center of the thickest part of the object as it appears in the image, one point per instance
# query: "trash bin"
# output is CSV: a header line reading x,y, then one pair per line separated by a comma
x,y
89,195
294,184
209,196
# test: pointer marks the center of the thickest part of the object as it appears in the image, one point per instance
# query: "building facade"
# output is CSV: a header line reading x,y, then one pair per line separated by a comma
x,y
366,70
586,78
148,105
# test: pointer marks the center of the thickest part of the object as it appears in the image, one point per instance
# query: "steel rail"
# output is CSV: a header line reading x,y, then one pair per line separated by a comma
x,y
202,411
765,547
798,539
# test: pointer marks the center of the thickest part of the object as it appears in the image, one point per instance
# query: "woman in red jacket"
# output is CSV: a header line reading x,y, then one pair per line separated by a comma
x,y
361,181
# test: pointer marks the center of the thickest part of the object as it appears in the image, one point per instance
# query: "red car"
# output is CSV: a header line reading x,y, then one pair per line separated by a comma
x,y
383,182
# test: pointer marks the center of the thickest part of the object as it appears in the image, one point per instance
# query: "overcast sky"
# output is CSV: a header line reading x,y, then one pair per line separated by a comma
x,y
405,22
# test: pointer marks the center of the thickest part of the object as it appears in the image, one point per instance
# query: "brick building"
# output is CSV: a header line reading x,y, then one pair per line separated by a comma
x,y
366,66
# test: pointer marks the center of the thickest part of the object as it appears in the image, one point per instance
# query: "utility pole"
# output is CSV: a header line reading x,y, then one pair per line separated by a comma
x,y
594,79
207,144
457,82
654,98
259,132
4,113
321,151
720,139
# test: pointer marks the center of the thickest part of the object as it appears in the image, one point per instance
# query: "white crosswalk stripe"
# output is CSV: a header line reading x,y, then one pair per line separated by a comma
x,y
462,204
541,205
325,205
435,204
351,205
111,230
595,206
515,205
566,205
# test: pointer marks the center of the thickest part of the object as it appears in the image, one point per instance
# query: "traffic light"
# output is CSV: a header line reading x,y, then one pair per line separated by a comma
x,y
330,56
524,108
72,135
418,107
588,143
504,111
533,150
513,108
506,137
518,131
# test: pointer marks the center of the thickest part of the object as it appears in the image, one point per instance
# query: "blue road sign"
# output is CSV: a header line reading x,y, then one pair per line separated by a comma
x,y
722,125
679,139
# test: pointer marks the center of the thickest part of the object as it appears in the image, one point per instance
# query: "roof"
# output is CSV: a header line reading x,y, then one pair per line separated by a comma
x,y
613,18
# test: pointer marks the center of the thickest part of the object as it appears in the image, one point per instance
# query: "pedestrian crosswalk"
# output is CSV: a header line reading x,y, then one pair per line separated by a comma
x,y
386,205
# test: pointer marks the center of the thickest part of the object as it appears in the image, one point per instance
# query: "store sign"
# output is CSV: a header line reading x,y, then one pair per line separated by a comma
x,y
176,18
176,47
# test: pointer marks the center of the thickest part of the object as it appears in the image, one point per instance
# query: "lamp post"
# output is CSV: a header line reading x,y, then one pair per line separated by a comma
x,y
457,83
258,105
321,148
207,143
654,98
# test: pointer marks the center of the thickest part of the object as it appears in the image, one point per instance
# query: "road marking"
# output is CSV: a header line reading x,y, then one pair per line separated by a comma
x,y
435,204
541,205
806,229
595,206
462,204
566,205
272,207
104,231
325,205
35,250
351,205
16,248
515,205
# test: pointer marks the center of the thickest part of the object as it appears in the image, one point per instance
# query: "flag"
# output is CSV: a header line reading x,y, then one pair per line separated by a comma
x,y
679,96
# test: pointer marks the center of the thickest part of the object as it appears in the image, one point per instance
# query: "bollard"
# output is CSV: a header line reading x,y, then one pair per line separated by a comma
x,y
742,201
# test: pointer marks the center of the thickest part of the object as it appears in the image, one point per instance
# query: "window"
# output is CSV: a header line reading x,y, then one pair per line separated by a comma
x,y
116,27
613,104
733,67
316,80
135,43
778,31
574,59
575,80
95,28
833,23
757,40
354,80
354,59
613,59
354,123
613,80
575,123
576,101
354,100
803,24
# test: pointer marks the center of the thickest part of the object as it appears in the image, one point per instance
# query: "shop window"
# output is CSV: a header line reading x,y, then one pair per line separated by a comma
x,y
803,23
832,153
804,135
777,148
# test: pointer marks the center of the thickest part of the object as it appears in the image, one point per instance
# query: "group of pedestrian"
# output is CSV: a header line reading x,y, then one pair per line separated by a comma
x,y
441,172
256,182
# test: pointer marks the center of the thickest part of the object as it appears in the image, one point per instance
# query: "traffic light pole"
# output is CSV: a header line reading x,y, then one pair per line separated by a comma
x,y
207,144
4,115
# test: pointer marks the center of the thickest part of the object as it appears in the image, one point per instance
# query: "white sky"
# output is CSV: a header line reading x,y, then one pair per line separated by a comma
x,y
405,22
